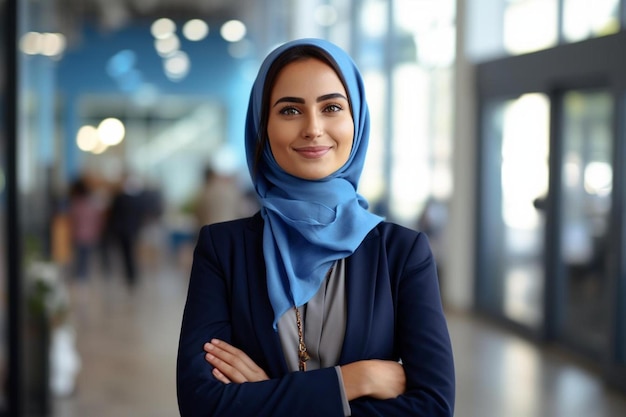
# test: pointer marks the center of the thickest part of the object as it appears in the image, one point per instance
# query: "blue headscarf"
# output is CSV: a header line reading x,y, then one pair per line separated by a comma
x,y
308,224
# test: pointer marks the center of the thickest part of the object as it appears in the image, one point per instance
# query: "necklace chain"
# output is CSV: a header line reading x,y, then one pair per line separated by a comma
x,y
303,356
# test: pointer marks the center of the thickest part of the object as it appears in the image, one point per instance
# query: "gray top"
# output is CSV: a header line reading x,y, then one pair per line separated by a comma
x,y
324,321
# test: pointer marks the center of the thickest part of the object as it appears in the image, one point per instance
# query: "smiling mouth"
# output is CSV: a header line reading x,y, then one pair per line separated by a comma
x,y
313,152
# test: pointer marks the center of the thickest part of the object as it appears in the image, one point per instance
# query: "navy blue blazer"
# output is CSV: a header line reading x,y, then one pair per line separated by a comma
x,y
394,313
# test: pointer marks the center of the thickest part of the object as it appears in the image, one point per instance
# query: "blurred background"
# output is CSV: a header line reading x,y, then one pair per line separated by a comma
x,y
498,128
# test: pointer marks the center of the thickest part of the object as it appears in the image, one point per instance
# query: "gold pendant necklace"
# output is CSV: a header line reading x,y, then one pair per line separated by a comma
x,y
303,356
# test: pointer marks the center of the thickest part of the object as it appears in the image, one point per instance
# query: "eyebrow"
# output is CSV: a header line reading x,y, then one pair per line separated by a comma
x,y
301,100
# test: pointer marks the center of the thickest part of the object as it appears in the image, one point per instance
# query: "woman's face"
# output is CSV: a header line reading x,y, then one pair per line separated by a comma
x,y
310,127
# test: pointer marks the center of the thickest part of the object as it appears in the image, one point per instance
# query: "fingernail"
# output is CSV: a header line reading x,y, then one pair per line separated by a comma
x,y
215,341
208,346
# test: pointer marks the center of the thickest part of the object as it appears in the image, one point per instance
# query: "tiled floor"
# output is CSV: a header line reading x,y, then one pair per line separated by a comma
x,y
127,344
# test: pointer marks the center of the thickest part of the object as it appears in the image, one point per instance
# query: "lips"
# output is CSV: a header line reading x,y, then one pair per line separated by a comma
x,y
313,152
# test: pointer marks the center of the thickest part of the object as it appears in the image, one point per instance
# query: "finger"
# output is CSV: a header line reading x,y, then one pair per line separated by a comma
x,y
225,368
231,357
236,353
238,359
220,376
235,358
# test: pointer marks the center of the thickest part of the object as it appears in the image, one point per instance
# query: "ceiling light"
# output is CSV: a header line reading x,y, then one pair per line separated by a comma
x,y
195,30
52,44
87,138
233,31
31,43
177,66
163,27
111,131
168,45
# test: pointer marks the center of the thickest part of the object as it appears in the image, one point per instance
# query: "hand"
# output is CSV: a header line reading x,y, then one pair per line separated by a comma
x,y
232,364
373,378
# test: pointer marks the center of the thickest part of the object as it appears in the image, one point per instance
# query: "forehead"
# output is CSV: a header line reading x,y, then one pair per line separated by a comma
x,y
307,75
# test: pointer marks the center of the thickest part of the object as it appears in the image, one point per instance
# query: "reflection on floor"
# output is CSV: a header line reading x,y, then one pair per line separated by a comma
x,y
127,344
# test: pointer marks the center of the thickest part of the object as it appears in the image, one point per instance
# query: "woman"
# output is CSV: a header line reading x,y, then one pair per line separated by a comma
x,y
368,336
86,221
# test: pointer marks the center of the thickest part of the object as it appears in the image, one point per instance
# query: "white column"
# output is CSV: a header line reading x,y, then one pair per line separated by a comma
x,y
458,284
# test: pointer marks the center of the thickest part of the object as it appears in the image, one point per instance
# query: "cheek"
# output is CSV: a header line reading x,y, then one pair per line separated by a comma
x,y
273,134
277,140
279,132
346,137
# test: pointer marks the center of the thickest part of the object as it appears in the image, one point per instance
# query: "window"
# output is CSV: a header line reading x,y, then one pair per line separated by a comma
x,y
584,19
408,74
530,25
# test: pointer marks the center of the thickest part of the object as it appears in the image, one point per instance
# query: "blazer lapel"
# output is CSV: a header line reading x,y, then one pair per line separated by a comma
x,y
360,292
261,312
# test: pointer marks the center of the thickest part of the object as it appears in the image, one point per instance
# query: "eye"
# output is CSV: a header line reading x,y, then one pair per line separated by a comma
x,y
333,108
289,111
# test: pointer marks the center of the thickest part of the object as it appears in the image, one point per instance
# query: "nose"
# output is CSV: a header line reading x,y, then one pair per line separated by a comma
x,y
313,127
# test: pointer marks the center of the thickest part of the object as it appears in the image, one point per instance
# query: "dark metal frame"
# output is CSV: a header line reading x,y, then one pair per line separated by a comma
x,y
14,290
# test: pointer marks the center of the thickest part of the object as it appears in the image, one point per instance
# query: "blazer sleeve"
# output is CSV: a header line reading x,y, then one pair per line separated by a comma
x,y
207,315
422,337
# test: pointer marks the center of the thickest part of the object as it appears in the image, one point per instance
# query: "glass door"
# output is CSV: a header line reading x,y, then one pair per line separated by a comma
x,y
514,185
585,228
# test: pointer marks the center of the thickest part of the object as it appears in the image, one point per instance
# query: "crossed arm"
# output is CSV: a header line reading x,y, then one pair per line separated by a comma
x,y
237,381
368,378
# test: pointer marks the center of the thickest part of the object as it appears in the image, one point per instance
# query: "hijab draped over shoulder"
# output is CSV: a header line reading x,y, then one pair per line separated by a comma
x,y
309,224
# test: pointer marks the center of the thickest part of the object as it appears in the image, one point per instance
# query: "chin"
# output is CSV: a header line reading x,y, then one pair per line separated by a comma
x,y
311,176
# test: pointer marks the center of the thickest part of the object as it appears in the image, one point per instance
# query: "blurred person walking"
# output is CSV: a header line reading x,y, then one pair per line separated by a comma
x,y
86,222
125,220
220,198
84,218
